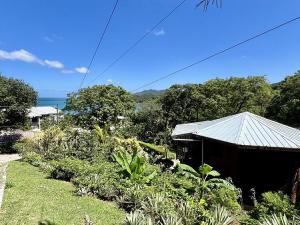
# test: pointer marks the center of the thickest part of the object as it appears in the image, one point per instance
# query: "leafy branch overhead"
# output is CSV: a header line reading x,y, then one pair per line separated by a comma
x,y
205,3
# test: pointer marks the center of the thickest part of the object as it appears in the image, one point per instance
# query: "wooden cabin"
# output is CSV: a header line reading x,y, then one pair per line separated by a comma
x,y
254,151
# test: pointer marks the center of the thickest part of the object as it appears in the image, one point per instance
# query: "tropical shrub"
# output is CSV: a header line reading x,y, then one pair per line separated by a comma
x,y
50,143
280,219
134,166
158,206
81,144
175,186
200,177
32,158
159,149
102,180
274,203
225,197
113,168
220,216
160,209
132,197
68,168
26,145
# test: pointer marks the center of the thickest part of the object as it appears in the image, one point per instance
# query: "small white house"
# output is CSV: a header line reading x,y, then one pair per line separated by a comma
x,y
36,113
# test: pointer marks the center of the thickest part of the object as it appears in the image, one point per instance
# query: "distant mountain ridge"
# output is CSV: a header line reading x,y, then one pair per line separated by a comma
x,y
150,91
147,95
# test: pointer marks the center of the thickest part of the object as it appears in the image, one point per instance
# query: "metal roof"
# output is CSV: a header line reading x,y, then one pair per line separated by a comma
x,y
42,111
245,129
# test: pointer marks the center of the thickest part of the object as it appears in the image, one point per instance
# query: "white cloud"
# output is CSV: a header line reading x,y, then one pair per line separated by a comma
x,y
67,71
110,81
25,56
54,64
21,55
52,38
160,32
81,69
48,39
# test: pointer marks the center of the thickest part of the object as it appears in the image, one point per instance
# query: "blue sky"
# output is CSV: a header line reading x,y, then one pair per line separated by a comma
x,y
49,44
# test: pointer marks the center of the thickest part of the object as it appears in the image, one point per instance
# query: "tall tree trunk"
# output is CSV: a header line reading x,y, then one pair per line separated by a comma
x,y
296,186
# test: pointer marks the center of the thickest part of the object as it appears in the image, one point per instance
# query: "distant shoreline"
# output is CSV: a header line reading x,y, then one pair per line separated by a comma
x,y
48,101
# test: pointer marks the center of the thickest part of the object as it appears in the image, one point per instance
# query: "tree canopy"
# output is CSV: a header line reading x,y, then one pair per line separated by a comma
x,y
99,105
285,106
215,99
224,97
181,103
16,97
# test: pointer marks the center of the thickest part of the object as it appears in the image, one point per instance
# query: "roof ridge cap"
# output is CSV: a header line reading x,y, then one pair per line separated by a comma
x,y
241,127
278,132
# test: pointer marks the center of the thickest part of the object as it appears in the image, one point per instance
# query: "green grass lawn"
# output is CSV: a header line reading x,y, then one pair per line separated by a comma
x,y
30,198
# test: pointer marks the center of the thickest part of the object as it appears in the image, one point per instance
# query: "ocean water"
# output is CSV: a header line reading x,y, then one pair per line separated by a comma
x,y
60,102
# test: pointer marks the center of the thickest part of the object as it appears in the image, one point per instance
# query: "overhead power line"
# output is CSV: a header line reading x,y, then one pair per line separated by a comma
x,y
99,42
217,53
138,41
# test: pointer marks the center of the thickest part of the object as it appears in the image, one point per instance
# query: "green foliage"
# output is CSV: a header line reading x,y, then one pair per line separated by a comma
x,y
67,169
285,106
99,105
101,133
150,125
100,179
48,122
134,166
147,95
220,216
159,209
235,95
113,168
32,157
46,222
157,206
175,186
280,219
81,144
49,144
19,97
213,191
215,99
204,171
157,116
274,203
225,197
34,198
9,184
137,218
181,103
159,149
55,144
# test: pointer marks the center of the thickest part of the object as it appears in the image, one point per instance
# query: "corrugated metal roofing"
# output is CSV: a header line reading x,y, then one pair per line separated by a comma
x,y
41,111
246,129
